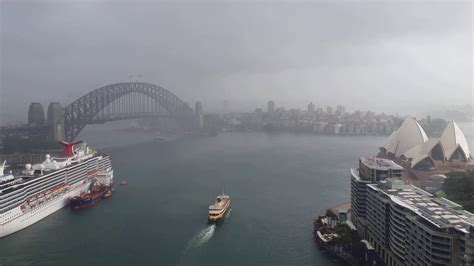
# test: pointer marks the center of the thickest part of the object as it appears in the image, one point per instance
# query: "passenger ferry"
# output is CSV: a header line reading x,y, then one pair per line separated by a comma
x,y
218,210
44,188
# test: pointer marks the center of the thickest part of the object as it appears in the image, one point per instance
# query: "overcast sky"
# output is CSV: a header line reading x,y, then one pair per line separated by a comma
x,y
392,56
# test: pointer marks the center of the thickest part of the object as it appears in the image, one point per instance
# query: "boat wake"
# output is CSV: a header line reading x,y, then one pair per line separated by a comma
x,y
199,239
203,236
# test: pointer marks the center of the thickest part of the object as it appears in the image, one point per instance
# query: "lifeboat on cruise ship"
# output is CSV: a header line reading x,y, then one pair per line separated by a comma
x,y
92,173
40,197
59,187
32,201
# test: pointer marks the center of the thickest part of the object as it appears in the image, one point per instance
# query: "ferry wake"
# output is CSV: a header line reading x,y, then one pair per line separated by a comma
x,y
44,188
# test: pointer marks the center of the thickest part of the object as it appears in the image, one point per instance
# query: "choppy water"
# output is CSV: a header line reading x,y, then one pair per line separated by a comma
x,y
278,183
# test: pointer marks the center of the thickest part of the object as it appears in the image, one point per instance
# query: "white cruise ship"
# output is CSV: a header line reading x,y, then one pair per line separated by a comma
x,y
44,188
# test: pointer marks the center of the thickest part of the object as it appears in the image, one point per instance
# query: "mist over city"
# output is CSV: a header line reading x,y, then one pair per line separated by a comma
x,y
392,56
236,132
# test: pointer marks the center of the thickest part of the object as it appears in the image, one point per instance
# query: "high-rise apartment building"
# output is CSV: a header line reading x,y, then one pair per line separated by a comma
x,y
405,224
370,171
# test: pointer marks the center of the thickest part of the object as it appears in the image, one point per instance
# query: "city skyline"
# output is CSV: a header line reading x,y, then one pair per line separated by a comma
x,y
366,57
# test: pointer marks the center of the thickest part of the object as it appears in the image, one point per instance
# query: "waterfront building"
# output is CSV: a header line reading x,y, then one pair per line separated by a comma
x,y
409,226
370,171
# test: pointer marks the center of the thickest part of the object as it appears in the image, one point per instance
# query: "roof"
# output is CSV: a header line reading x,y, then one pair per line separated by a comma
x,y
380,163
409,135
440,212
452,138
411,141
420,151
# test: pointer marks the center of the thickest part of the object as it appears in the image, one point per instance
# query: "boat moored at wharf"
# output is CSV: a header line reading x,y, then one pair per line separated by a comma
x,y
42,189
100,188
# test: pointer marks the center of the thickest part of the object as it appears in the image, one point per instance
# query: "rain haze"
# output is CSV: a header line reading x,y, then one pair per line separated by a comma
x,y
387,56
236,132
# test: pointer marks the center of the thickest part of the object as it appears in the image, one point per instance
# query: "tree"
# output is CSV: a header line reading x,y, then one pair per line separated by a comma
x,y
459,187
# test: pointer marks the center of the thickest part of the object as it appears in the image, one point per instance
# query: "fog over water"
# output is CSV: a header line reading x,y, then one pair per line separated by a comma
x,y
281,169
392,56
278,183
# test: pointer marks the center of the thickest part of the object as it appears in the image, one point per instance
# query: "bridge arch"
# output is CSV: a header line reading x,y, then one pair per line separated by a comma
x,y
84,110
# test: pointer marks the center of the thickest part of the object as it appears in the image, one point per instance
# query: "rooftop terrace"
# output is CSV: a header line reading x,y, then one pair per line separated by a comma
x,y
440,212
380,163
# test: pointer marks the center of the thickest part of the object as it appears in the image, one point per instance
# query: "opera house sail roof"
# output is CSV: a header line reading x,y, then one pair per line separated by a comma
x,y
409,135
453,140
410,143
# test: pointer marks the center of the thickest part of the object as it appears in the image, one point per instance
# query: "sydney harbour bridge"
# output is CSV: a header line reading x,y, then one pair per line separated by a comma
x,y
120,101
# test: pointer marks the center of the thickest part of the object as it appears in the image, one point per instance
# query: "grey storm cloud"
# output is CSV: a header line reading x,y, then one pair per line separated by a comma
x,y
392,56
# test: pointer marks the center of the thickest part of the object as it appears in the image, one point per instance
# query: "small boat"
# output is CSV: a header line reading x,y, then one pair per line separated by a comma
x,y
158,139
88,199
218,210
123,183
107,194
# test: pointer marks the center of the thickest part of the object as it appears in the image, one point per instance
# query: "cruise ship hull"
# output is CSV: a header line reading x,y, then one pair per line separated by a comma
x,y
24,219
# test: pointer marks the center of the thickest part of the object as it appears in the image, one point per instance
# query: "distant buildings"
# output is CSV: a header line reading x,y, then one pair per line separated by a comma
x,y
225,107
199,115
340,110
329,110
271,107
316,120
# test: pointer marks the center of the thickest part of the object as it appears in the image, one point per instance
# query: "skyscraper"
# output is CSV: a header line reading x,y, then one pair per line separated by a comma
x,y
270,107
329,110
311,107
199,115
340,110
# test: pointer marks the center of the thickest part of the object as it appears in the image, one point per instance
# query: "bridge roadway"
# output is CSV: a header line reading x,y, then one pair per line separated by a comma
x,y
119,101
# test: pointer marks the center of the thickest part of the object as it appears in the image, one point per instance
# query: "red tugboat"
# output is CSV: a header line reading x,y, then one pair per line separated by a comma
x,y
100,188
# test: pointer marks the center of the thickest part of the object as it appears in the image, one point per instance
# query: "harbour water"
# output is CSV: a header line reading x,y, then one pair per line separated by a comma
x,y
278,183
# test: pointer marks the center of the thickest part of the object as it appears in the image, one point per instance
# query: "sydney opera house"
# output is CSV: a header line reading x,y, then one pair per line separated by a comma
x,y
410,147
